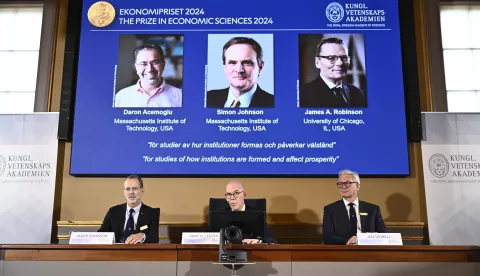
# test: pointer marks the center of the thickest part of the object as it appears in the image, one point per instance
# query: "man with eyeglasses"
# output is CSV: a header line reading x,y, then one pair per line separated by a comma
x,y
329,89
151,90
343,219
132,222
235,196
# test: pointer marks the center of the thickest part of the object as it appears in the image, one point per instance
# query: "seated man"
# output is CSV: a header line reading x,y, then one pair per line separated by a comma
x,y
340,219
132,222
235,196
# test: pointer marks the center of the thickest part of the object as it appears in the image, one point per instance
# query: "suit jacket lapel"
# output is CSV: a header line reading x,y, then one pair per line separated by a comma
x,y
224,96
141,219
345,220
361,209
322,86
256,97
121,218
346,92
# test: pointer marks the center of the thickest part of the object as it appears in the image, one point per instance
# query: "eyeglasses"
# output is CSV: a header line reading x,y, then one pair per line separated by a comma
x,y
333,59
346,184
153,63
234,195
128,189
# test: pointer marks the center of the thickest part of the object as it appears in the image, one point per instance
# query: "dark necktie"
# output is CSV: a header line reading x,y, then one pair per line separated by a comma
x,y
353,220
339,93
130,225
236,103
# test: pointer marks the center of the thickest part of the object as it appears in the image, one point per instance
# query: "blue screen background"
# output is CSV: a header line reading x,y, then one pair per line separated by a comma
x,y
379,147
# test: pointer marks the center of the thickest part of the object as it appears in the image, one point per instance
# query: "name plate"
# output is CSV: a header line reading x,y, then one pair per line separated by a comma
x,y
379,239
92,238
200,238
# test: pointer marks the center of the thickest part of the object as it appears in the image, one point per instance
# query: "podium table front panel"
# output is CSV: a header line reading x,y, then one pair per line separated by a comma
x,y
279,260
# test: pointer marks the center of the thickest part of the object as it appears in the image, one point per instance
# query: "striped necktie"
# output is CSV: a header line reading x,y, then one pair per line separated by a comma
x,y
236,103
340,94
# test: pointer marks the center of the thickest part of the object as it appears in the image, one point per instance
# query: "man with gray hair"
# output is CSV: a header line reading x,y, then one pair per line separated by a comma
x,y
243,63
343,219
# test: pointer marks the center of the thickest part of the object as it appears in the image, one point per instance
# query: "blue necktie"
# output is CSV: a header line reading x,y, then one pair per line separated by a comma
x,y
353,220
130,225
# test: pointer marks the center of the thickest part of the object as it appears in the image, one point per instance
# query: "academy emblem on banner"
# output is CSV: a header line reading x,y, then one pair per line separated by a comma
x,y
438,165
334,12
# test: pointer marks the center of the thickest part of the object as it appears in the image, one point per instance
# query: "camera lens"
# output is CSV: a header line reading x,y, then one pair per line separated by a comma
x,y
233,234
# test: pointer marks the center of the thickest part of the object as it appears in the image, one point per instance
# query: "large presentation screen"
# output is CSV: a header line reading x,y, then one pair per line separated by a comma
x,y
249,88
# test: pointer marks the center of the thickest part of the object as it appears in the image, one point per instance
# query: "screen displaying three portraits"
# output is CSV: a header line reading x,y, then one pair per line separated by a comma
x,y
201,88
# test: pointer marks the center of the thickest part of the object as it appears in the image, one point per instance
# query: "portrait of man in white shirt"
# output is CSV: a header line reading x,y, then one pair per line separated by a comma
x,y
151,89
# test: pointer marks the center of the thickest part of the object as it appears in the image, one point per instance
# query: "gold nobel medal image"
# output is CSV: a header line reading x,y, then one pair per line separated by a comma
x,y
101,14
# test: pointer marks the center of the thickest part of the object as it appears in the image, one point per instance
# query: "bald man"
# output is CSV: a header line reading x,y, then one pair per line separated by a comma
x,y
235,196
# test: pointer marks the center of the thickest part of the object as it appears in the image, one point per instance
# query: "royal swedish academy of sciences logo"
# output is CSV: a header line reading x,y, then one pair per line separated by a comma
x,y
101,14
3,165
438,165
334,12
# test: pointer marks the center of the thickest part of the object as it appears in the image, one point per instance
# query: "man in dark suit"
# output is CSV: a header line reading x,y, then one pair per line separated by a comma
x,y
243,62
343,219
132,222
235,196
329,88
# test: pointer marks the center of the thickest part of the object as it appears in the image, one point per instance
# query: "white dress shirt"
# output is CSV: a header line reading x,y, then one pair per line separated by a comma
x,y
357,211
244,99
134,96
330,84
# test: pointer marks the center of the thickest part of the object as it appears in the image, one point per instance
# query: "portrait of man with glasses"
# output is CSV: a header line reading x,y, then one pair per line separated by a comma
x,y
151,88
329,88
343,219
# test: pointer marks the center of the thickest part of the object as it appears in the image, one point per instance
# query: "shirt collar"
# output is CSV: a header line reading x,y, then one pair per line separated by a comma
x,y
329,83
137,209
158,91
244,99
346,202
243,208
